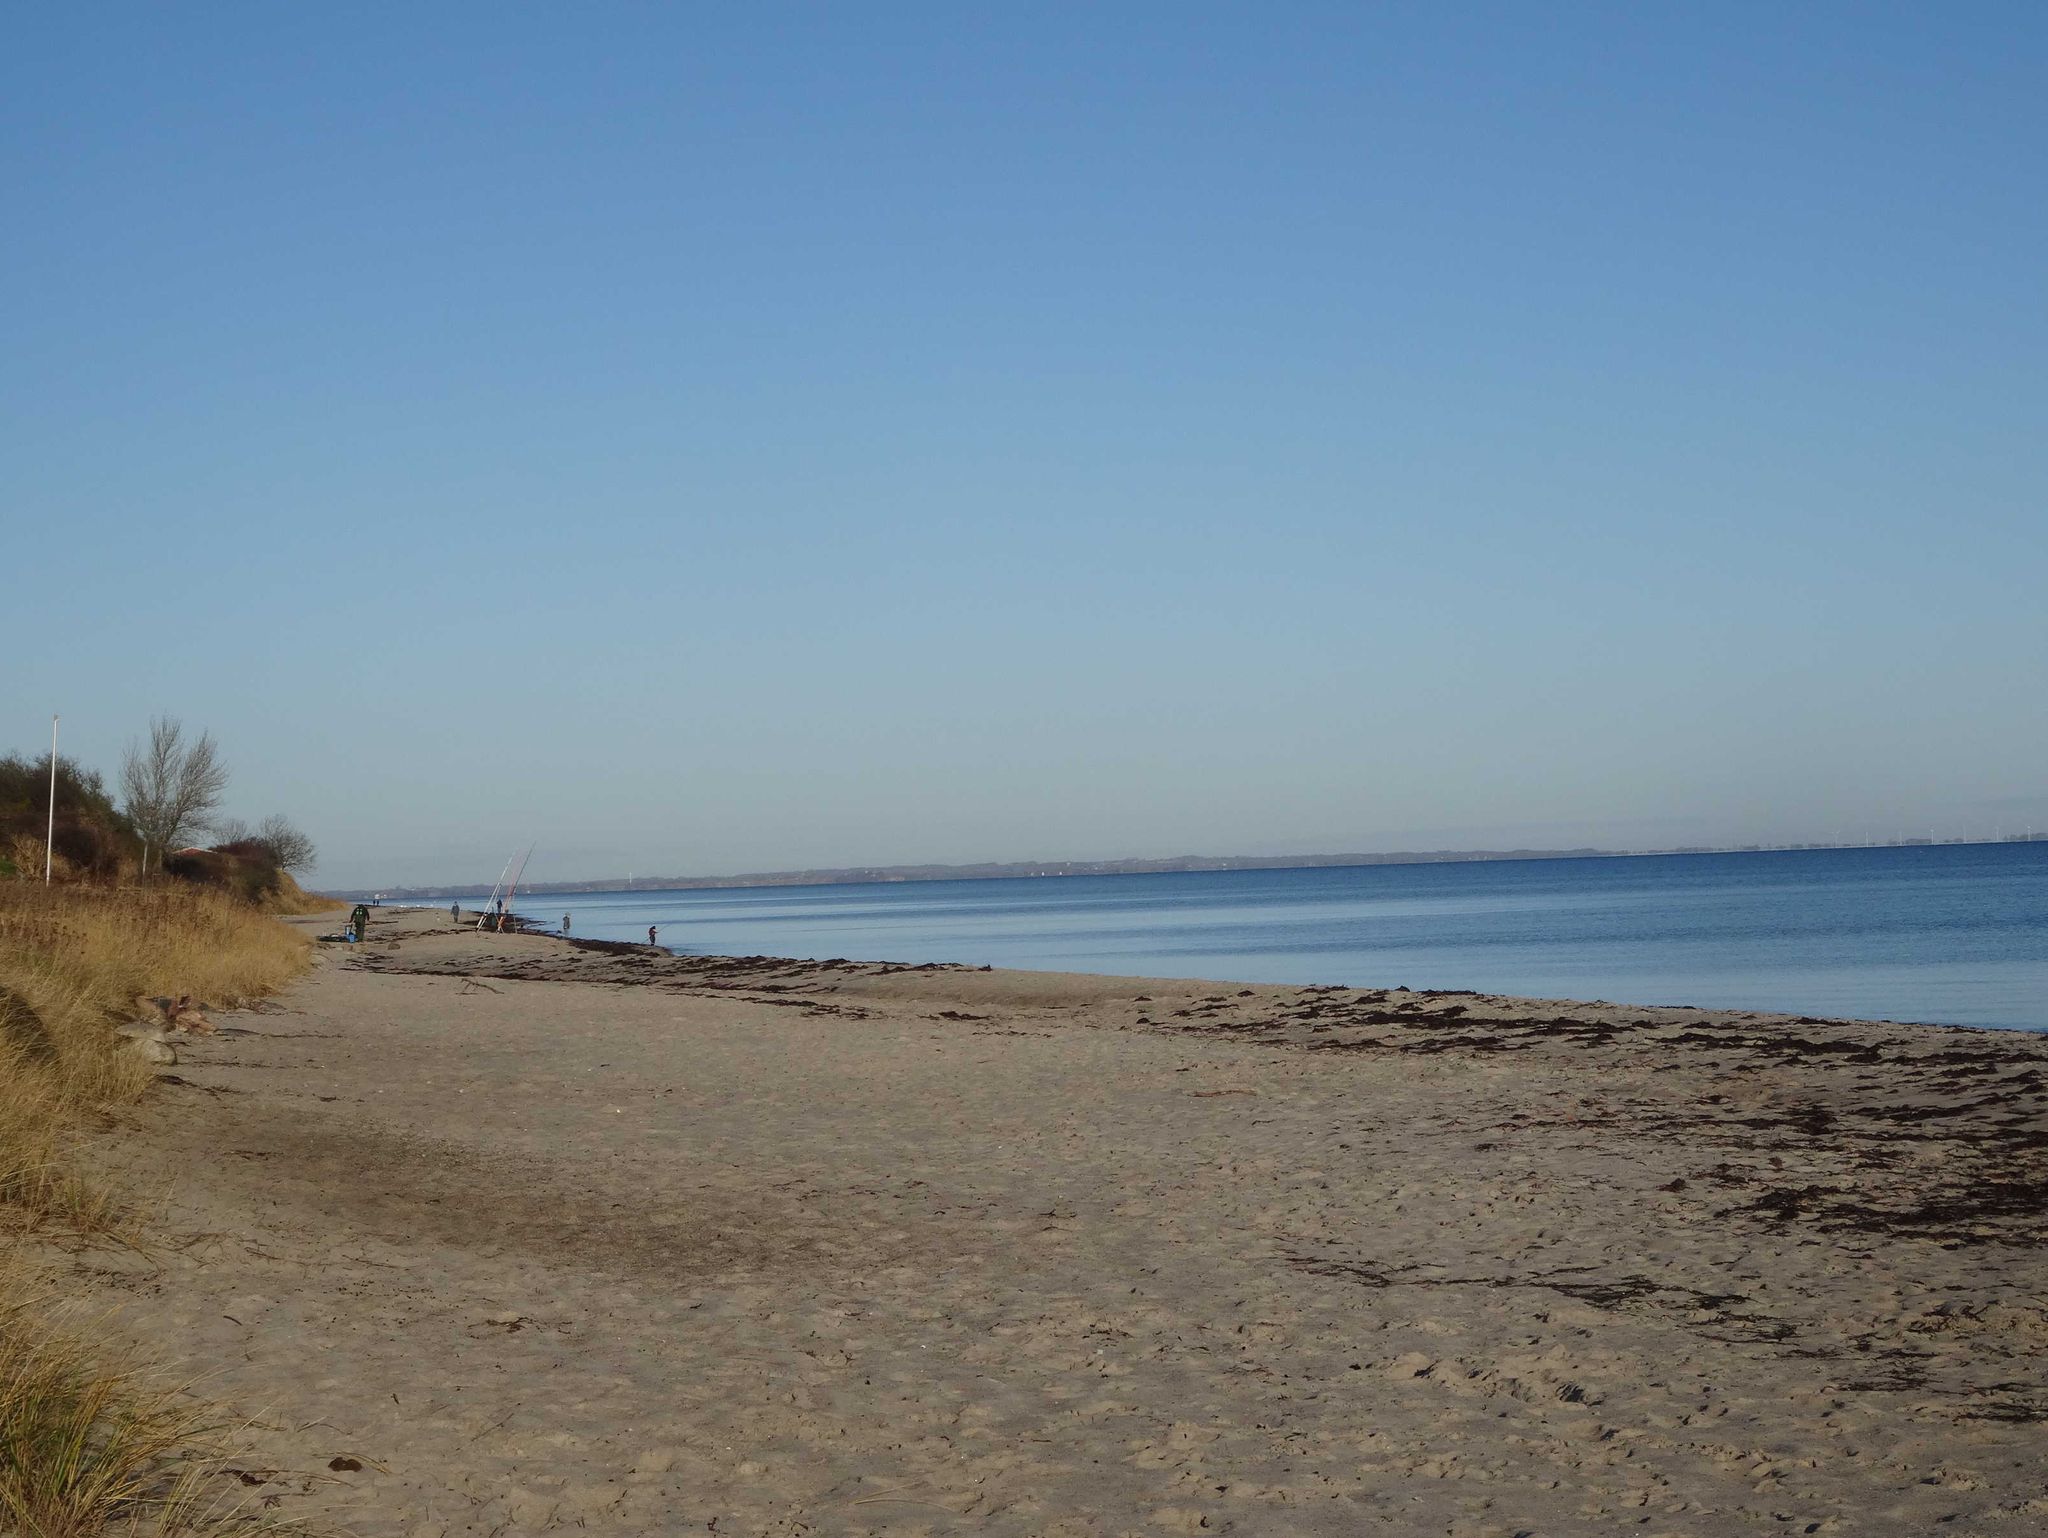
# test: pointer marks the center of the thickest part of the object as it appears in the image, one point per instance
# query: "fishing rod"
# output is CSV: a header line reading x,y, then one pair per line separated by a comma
x,y
514,887
492,901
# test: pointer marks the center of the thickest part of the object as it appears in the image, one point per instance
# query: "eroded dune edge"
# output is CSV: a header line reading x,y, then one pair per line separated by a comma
x,y
497,1234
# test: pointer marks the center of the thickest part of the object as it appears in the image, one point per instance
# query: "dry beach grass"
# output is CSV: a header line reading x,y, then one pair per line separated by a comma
x,y
91,1439
506,1235
72,962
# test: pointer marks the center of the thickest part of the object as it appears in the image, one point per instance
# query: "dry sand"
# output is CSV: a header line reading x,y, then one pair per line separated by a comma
x,y
536,1238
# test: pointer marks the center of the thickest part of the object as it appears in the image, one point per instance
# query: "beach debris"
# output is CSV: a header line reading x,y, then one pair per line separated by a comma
x,y
179,1014
151,1042
164,1022
345,1465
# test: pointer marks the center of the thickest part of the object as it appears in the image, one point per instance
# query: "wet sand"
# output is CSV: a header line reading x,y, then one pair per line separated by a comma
x,y
501,1234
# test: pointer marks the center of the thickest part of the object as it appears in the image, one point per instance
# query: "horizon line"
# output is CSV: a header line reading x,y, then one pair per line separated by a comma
x,y
987,870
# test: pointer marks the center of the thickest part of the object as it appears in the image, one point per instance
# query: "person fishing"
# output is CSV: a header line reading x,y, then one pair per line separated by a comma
x,y
650,934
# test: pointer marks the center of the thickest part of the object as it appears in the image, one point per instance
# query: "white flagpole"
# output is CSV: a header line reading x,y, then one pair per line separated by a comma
x,y
50,829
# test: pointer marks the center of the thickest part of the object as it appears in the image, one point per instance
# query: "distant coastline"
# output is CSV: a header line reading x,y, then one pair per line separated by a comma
x,y
1022,869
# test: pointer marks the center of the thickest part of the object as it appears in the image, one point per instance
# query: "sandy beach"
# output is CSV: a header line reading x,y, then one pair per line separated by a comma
x,y
500,1234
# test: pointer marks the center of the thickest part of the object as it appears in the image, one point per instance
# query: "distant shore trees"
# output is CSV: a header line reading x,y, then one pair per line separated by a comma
x,y
171,786
276,839
287,845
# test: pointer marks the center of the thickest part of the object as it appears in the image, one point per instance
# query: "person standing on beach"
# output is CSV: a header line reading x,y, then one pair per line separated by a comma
x,y
565,923
650,934
455,913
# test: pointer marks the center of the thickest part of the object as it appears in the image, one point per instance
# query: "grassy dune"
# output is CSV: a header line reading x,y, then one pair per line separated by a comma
x,y
72,962
90,1442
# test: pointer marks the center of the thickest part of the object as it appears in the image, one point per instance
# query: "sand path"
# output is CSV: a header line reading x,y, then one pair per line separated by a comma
x,y
547,1239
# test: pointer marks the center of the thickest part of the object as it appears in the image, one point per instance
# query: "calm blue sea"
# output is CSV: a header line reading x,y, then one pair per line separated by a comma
x,y
1954,934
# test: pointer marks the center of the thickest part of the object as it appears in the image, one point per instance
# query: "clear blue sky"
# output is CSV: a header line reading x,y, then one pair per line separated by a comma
x,y
711,438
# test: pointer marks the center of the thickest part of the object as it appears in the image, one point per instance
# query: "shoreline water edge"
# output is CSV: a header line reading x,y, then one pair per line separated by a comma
x,y
1944,936
503,1231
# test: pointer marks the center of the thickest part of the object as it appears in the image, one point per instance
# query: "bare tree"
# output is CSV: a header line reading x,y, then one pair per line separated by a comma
x,y
290,847
171,786
229,830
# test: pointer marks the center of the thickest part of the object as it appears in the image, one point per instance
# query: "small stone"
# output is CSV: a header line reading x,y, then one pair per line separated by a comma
x,y
150,1043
